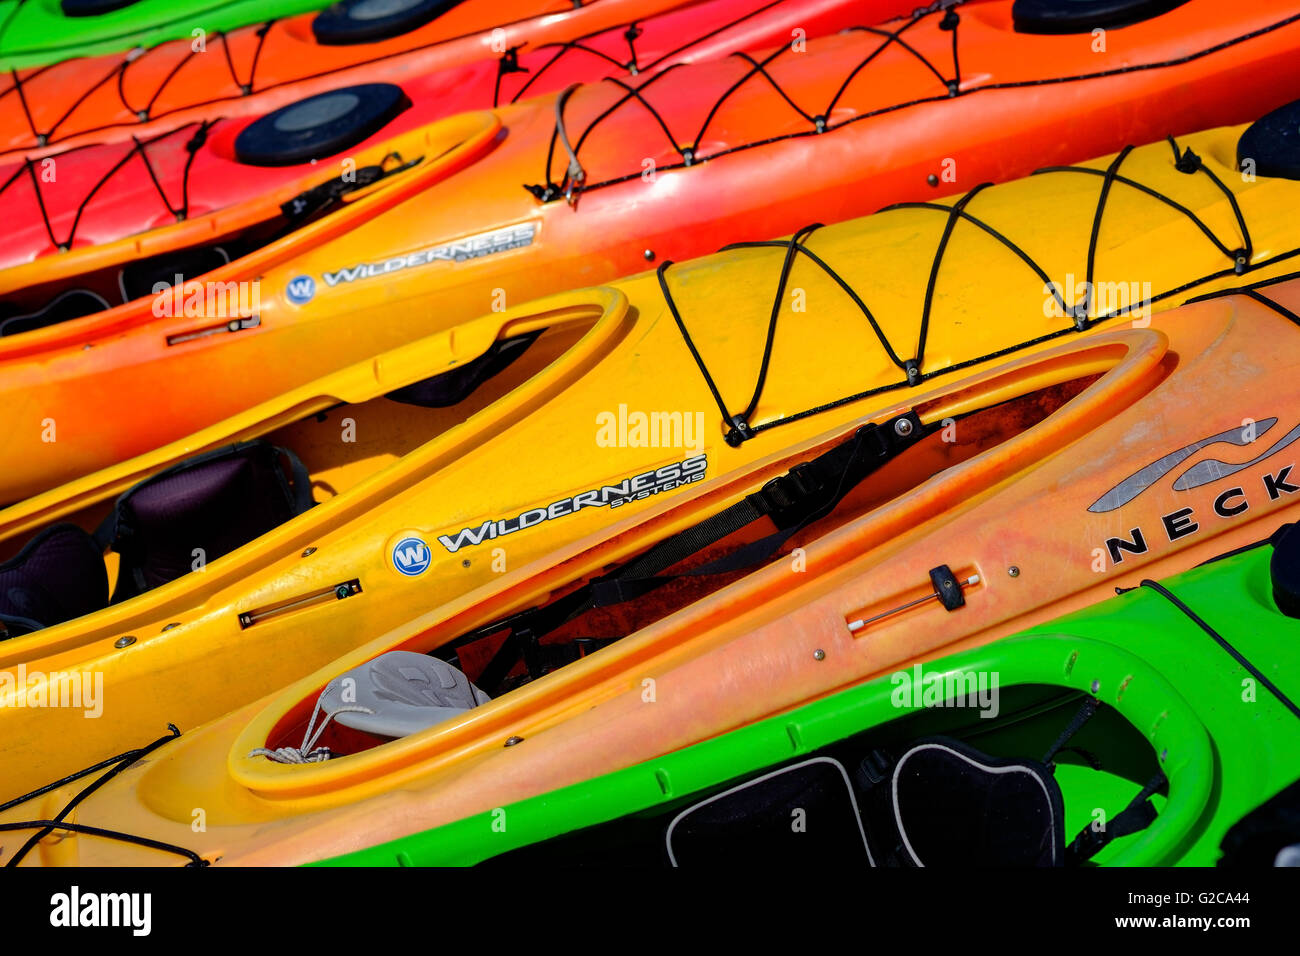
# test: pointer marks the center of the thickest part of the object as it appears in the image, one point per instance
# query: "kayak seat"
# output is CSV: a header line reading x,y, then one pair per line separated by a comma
x,y
400,693
805,814
57,576
941,803
453,387
93,8
1267,836
320,125
367,21
72,304
1284,569
1273,143
1084,16
144,276
161,529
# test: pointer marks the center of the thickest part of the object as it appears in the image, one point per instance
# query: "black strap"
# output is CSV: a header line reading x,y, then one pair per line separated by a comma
x,y
808,492
1084,714
1137,816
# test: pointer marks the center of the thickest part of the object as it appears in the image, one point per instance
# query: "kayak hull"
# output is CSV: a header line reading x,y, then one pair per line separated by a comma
x,y
1136,653
778,638
329,296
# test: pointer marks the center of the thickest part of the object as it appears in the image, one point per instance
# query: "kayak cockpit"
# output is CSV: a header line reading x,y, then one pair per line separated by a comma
x,y
984,775
876,465
205,506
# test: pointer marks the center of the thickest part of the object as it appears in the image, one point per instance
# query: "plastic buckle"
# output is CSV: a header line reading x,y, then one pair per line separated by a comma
x,y
785,497
776,496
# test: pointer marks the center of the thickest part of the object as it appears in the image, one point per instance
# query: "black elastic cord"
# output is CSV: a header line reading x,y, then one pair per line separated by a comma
x,y
661,274
46,827
914,367
119,835
1277,307
1082,313
139,148
550,190
778,302
951,89
1223,643
742,429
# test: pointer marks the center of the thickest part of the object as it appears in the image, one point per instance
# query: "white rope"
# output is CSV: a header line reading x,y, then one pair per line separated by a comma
x,y
309,752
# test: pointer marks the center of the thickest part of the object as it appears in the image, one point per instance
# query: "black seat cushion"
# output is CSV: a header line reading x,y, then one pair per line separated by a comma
x,y
1272,143
800,815
198,511
945,804
57,576
452,387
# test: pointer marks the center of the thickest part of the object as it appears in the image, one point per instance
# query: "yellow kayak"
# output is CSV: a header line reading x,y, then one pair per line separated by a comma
x,y
579,410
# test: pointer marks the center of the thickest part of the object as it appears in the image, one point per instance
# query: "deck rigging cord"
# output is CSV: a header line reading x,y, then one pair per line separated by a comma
x,y
1225,644
312,201
143,114
243,87
115,766
631,32
1082,317
819,121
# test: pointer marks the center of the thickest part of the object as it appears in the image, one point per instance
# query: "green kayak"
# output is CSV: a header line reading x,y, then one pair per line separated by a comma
x,y
1137,732
36,32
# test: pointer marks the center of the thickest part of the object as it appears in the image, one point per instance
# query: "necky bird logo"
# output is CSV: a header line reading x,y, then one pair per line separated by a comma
x,y
1203,472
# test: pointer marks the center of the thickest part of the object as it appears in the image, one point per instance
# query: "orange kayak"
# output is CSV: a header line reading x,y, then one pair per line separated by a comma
x,y
457,236
258,68
943,547
246,168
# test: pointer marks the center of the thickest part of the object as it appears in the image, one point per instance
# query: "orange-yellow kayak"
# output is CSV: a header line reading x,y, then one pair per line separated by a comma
x,y
942,547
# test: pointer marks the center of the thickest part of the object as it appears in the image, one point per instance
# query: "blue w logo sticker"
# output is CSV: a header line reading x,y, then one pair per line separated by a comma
x,y
411,557
301,290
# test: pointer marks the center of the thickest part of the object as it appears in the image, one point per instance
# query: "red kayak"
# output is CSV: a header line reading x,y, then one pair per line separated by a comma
x,y
88,196
257,69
